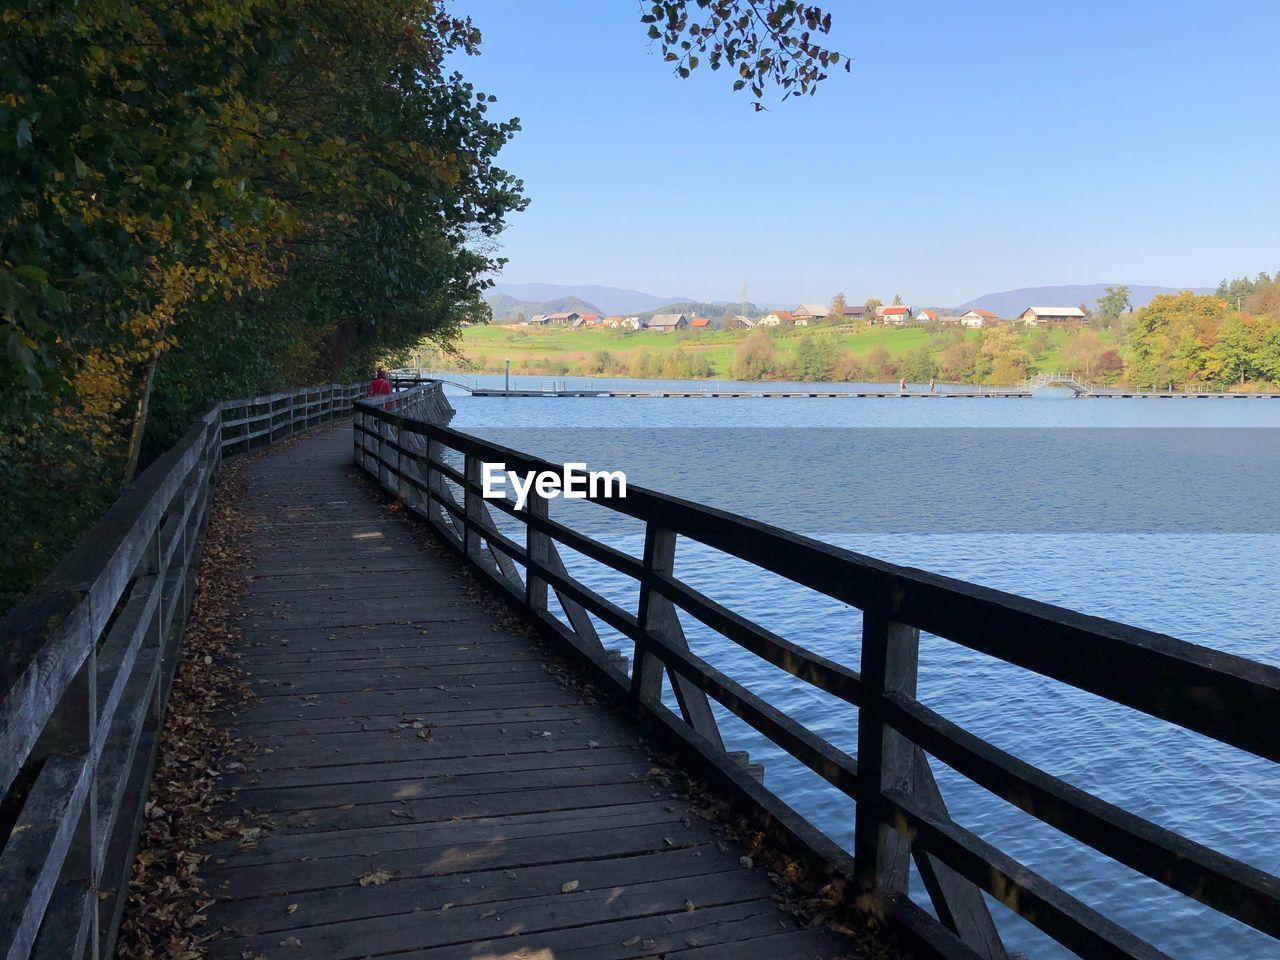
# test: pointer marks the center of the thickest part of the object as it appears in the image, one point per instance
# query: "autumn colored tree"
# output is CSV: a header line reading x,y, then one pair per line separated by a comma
x,y
958,360
204,200
756,358
1170,339
1083,350
208,199
837,308
1002,359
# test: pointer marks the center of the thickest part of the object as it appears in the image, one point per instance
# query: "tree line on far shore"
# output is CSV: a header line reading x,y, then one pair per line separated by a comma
x,y
1228,339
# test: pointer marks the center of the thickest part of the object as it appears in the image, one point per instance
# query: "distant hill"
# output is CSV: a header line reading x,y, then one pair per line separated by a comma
x,y
715,309
1010,303
506,308
607,300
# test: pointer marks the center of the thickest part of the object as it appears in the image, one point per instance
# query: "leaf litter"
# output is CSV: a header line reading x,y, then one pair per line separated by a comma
x,y
165,912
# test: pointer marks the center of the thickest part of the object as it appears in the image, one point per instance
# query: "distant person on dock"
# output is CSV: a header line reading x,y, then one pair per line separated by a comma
x,y
380,386
902,385
932,384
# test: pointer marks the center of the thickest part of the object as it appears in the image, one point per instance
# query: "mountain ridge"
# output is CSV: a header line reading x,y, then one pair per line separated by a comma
x,y
507,300
507,308
607,300
1010,303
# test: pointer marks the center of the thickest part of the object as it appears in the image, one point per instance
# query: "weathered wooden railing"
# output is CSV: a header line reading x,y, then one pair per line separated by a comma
x,y
86,663
899,815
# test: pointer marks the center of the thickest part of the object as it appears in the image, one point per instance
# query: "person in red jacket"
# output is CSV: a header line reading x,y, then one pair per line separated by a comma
x,y
380,386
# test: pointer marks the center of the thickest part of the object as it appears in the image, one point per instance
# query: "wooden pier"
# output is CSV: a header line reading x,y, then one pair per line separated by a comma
x,y
408,733
764,392
428,780
746,394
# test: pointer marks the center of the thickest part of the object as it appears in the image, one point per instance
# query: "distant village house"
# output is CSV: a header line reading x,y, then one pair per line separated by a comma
x,y
700,323
807,312
667,322
561,319
1034,316
978,318
897,314
776,318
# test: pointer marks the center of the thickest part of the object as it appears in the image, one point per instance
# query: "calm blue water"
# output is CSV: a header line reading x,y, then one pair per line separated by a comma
x,y
1217,590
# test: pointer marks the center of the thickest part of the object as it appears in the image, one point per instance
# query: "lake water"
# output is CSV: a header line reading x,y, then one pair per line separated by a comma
x,y
1212,579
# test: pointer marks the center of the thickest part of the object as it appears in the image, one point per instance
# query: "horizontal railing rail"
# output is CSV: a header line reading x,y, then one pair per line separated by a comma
x,y
900,815
86,663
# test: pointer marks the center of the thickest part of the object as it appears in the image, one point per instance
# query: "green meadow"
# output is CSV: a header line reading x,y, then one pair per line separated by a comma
x,y
559,350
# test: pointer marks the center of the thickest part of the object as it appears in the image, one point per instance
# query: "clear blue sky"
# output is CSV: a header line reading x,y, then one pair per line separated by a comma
x,y
975,147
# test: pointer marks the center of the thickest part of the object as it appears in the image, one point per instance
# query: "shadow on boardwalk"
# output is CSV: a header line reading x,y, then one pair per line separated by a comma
x,y
427,787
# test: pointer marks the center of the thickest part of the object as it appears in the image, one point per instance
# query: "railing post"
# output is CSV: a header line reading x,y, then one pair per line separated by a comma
x,y
383,471
435,483
890,657
659,557
357,436
404,490
473,507
658,616
538,547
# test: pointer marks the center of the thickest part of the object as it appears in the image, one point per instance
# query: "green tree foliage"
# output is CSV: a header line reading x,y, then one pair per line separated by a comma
x,y
1113,302
603,363
919,365
814,358
204,200
675,364
1235,291
756,358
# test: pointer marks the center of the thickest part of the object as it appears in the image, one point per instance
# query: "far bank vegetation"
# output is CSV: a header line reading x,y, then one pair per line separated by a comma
x,y
1226,340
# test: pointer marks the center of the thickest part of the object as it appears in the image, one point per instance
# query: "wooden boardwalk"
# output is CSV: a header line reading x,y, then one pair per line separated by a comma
x,y
425,788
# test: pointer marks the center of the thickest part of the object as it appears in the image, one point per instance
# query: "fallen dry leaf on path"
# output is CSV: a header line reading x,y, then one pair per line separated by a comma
x,y
374,878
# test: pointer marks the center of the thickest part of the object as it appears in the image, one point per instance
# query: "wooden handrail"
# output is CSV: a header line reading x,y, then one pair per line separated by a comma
x,y
900,814
86,663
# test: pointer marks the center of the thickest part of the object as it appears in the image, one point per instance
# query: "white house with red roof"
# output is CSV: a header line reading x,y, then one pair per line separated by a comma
x,y
978,318
897,314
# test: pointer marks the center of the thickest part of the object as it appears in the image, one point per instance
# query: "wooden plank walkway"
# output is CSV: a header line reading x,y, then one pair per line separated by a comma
x,y
425,788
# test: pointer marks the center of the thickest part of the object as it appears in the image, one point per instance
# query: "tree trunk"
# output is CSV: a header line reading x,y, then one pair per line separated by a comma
x,y
139,425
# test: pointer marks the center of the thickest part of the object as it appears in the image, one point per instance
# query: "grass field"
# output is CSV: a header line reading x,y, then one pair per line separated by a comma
x,y
544,349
